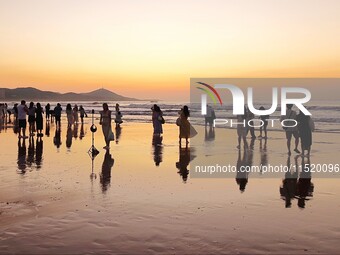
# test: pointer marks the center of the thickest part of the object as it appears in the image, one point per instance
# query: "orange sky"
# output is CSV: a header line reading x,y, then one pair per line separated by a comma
x,y
151,49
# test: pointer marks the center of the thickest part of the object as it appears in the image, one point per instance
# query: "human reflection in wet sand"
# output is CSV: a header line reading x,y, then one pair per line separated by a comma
x,y
305,187
82,132
183,162
288,188
157,149
75,130
22,156
263,152
39,152
209,134
297,185
242,174
48,128
105,176
30,152
57,137
118,133
69,137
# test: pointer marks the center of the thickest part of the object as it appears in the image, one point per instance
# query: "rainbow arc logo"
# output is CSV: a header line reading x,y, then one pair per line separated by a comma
x,y
211,92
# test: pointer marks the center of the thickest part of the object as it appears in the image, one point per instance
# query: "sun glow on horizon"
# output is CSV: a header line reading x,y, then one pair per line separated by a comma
x,y
151,49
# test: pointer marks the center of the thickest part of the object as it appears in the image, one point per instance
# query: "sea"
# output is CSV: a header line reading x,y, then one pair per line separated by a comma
x,y
326,114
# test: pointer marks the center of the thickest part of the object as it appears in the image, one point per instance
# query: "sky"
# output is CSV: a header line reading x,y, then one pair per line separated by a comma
x,y
151,49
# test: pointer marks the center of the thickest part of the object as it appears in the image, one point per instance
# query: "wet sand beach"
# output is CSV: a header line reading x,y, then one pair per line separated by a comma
x,y
138,198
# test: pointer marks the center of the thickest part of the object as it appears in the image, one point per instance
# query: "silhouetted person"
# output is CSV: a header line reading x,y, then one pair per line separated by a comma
x,y
291,131
69,114
57,138
22,112
305,127
263,127
57,115
185,129
210,116
183,162
157,120
15,112
105,176
22,156
82,114
157,149
47,110
31,118
75,114
105,121
119,116
249,120
39,119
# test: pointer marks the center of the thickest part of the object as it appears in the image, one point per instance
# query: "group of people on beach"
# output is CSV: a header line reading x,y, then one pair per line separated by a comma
x,y
302,131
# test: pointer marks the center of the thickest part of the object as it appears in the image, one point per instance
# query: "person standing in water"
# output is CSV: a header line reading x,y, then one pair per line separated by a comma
x,y
105,121
57,114
291,130
39,119
75,114
69,114
184,125
82,114
305,127
22,112
157,120
47,110
31,118
118,119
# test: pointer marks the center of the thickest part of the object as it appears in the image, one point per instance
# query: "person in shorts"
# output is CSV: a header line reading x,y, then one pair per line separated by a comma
x,y
291,131
22,112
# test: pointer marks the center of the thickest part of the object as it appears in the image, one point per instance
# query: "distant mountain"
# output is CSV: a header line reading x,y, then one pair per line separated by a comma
x,y
33,94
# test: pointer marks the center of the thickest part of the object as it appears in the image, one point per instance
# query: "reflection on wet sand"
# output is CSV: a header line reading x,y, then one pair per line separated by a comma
x,y
82,132
297,183
241,175
263,152
157,149
39,152
22,156
185,156
209,133
57,138
69,137
31,156
118,133
105,176
48,128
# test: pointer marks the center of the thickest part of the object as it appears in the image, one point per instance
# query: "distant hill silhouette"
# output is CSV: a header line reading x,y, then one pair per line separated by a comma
x,y
31,94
